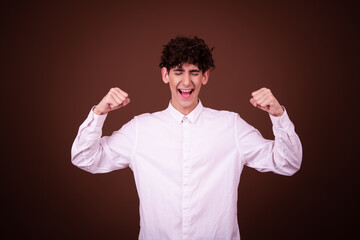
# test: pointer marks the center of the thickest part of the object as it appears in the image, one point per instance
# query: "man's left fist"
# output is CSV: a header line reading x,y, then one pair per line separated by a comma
x,y
265,100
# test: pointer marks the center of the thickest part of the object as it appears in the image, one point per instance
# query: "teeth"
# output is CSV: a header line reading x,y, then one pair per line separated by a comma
x,y
186,91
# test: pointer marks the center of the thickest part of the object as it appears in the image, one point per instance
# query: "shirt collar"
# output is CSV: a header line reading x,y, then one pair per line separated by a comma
x,y
192,116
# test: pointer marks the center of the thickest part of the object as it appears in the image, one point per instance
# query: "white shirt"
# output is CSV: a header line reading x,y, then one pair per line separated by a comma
x,y
187,168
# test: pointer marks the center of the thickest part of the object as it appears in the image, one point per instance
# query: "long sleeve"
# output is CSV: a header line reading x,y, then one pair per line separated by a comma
x,y
97,154
282,155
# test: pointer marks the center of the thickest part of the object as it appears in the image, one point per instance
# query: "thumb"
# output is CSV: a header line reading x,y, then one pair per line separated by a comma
x,y
253,102
126,102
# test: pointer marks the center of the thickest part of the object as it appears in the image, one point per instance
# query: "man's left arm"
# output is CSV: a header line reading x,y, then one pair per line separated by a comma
x,y
282,156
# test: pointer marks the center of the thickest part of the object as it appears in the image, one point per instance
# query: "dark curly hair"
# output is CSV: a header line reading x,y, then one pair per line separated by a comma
x,y
187,50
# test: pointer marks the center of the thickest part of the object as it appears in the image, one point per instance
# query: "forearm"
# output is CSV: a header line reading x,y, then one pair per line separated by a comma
x,y
282,155
287,146
97,154
87,149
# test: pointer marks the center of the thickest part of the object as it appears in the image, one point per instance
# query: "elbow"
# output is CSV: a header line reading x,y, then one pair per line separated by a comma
x,y
82,160
293,160
83,165
77,161
76,158
293,165
292,171
289,170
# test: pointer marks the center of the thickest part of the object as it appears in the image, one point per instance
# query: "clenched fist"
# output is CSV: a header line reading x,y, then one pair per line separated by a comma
x,y
115,99
265,100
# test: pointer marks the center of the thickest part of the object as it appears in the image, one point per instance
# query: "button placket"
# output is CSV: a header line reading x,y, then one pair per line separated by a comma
x,y
186,181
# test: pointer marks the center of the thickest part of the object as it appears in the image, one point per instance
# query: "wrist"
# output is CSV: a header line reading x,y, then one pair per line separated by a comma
x,y
96,111
279,113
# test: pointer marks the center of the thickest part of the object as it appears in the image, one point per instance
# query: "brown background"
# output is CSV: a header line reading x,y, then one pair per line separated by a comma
x,y
59,59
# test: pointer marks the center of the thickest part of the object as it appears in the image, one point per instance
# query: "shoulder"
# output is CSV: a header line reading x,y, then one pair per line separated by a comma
x,y
218,114
150,117
222,117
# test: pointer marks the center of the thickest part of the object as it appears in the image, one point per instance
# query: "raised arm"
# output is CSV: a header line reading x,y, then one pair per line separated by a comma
x,y
282,155
97,154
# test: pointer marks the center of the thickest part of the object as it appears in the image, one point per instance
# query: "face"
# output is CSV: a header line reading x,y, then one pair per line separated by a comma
x,y
185,82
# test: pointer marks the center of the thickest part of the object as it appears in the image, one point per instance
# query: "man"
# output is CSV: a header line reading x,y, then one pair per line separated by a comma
x,y
187,159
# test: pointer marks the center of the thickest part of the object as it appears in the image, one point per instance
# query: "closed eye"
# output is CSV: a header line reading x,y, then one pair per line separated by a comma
x,y
194,72
178,71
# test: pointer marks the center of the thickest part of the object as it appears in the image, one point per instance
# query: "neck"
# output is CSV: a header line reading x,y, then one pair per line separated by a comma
x,y
185,110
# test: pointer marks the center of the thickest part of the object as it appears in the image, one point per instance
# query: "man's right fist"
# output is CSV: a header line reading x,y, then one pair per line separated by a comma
x,y
115,99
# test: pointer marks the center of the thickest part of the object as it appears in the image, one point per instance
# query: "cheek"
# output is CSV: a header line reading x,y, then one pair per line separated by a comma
x,y
173,87
198,83
174,84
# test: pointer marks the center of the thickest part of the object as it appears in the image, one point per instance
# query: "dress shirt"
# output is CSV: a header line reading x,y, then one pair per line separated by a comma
x,y
187,168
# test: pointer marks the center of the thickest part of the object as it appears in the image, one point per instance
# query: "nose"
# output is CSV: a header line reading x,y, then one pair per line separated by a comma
x,y
186,81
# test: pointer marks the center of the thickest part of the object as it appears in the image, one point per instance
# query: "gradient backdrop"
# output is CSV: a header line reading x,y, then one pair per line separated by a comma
x,y
60,59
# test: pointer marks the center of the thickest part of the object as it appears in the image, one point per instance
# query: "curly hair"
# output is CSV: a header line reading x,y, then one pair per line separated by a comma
x,y
187,50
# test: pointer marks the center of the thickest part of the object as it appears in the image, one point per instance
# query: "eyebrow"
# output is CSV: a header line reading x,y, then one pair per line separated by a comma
x,y
179,69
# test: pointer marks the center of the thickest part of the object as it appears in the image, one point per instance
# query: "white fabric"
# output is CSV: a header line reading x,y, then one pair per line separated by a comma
x,y
187,168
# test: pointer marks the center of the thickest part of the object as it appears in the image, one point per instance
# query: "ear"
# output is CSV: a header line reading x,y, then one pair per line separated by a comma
x,y
165,75
205,77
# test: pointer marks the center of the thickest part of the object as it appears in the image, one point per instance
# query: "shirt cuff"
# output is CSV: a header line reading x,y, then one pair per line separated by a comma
x,y
281,122
96,120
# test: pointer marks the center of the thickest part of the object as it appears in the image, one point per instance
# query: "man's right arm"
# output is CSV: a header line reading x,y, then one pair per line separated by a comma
x,y
97,154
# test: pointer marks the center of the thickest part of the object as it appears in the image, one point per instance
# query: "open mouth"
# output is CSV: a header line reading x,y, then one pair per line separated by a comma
x,y
186,92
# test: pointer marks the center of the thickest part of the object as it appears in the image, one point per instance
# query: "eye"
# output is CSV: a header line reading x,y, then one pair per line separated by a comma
x,y
178,73
195,73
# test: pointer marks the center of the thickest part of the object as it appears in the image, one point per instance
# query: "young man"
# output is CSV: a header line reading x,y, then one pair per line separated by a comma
x,y
187,159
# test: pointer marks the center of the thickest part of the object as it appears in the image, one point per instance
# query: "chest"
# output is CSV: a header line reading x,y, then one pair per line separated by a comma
x,y
171,145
